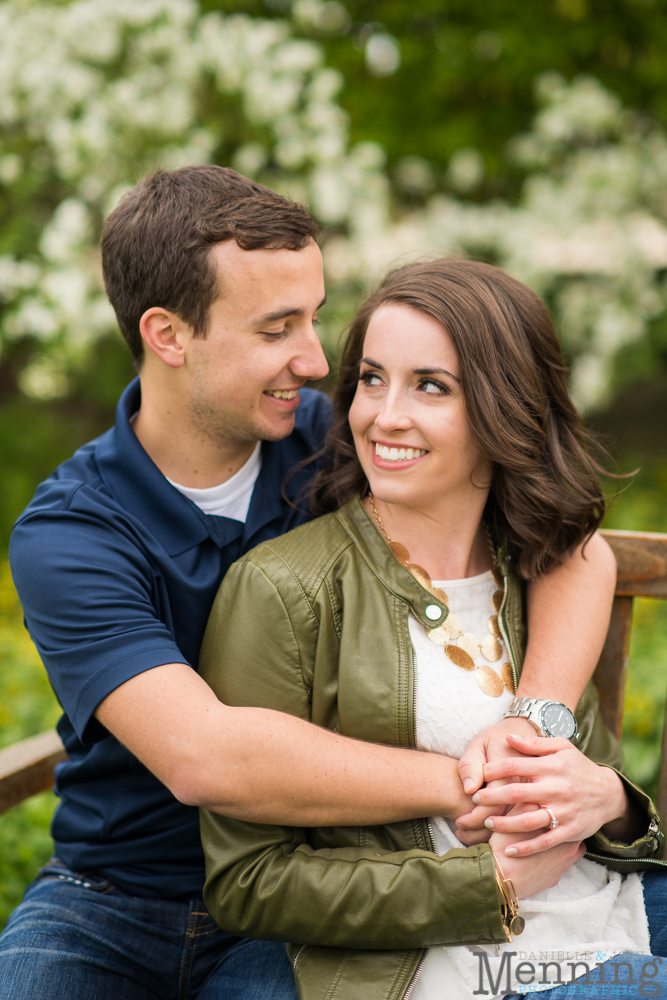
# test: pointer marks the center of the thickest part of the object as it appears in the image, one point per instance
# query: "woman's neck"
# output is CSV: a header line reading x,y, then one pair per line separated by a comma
x,y
449,542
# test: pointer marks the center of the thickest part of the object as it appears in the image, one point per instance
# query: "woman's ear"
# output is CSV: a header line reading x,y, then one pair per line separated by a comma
x,y
164,334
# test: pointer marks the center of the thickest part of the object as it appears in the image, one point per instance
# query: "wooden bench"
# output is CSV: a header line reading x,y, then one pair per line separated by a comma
x,y
26,768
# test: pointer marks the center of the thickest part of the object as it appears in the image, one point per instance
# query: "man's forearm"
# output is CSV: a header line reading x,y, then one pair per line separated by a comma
x,y
568,618
264,766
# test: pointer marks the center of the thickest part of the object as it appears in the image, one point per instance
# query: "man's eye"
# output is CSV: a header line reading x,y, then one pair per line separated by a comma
x,y
274,336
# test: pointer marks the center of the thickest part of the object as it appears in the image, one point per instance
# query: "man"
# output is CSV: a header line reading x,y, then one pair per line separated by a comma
x,y
216,282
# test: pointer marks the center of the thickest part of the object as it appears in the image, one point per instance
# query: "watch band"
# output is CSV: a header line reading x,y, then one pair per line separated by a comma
x,y
550,718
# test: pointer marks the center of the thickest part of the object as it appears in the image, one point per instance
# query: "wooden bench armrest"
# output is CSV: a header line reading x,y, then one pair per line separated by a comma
x,y
27,767
641,557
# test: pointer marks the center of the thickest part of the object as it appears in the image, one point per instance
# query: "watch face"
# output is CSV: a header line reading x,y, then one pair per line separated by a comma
x,y
557,720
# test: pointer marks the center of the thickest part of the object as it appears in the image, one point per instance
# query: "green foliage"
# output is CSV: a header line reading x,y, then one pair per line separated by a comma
x,y
25,845
468,68
641,507
37,436
27,707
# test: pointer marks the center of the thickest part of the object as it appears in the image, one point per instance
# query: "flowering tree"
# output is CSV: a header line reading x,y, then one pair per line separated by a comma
x,y
589,231
96,92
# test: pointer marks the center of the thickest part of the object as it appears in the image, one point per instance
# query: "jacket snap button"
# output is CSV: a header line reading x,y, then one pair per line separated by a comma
x,y
433,612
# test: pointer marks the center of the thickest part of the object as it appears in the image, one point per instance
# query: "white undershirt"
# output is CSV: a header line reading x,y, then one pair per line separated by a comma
x,y
231,498
592,913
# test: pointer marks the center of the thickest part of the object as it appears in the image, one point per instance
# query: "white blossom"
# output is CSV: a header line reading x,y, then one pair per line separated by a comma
x,y
102,91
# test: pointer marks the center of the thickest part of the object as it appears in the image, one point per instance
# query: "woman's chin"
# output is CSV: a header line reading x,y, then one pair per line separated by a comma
x,y
403,494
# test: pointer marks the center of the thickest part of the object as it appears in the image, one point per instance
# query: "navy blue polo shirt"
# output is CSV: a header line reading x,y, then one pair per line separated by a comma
x,y
117,572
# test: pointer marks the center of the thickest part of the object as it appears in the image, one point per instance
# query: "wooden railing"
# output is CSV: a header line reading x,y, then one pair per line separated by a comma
x,y
27,767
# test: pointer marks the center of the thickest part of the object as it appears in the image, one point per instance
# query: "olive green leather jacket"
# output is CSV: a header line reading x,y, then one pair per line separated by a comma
x,y
315,623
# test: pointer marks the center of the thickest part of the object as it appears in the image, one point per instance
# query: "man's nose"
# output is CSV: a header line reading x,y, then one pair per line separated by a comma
x,y
310,362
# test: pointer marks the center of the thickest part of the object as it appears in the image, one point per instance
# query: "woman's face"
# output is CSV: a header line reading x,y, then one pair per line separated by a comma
x,y
408,418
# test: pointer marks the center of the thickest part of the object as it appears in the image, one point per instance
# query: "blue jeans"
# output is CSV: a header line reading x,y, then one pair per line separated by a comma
x,y
648,978
80,938
83,939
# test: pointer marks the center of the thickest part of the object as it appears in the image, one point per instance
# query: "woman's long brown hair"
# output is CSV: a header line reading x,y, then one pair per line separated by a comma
x,y
545,495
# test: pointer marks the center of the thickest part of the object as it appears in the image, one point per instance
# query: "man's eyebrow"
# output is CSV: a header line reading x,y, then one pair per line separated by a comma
x,y
284,313
415,371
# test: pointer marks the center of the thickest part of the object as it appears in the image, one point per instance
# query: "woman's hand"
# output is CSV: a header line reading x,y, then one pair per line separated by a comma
x,y
534,872
583,796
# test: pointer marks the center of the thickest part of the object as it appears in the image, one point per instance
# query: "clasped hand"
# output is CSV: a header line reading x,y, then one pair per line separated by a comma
x,y
512,778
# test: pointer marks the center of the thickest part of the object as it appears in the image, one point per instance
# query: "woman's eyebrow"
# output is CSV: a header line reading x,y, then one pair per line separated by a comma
x,y
415,371
435,371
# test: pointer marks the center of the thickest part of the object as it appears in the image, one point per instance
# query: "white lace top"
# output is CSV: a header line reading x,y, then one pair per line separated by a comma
x,y
591,915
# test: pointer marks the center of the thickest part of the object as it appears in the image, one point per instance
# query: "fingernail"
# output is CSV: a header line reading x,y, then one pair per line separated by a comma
x,y
468,785
511,852
515,737
476,798
488,823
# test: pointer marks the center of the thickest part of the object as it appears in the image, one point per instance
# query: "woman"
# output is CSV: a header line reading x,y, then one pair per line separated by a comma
x,y
457,470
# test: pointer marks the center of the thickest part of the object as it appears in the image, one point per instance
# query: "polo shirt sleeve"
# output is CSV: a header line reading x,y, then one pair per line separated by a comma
x,y
90,599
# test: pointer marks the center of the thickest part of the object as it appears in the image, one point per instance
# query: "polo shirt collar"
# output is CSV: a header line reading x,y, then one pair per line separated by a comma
x,y
135,481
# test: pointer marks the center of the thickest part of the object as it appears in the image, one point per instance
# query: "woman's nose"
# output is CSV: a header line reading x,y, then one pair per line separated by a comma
x,y
394,414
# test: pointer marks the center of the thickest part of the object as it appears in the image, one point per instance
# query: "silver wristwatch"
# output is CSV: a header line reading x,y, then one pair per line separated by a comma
x,y
550,718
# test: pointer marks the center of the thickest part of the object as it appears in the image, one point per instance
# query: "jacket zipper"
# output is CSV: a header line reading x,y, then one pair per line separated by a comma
x,y
406,995
625,861
414,723
296,957
408,992
503,632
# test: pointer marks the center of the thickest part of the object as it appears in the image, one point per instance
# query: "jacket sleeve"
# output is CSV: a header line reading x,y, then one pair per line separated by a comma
x,y
602,746
270,881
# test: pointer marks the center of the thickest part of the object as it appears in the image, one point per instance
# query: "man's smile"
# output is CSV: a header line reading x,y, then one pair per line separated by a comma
x,y
281,393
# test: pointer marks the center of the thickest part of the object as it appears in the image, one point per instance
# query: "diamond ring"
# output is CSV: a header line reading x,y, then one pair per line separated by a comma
x,y
554,822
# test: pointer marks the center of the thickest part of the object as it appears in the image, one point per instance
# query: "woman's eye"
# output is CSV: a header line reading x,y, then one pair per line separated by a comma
x,y
433,388
370,378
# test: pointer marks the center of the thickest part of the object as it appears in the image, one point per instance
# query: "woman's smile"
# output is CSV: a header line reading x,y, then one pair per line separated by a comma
x,y
395,455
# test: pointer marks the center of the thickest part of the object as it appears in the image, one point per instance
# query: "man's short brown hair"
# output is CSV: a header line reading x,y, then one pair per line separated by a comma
x,y
155,244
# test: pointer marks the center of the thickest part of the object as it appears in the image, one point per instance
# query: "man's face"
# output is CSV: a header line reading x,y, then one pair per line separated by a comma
x,y
244,377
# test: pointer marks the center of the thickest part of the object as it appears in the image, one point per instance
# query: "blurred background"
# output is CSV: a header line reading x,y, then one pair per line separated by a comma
x,y
533,135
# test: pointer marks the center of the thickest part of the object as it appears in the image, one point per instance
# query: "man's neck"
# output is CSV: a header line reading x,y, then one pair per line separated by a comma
x,y
181,452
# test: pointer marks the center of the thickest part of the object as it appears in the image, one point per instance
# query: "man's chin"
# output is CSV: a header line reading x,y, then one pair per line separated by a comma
x,y
276,431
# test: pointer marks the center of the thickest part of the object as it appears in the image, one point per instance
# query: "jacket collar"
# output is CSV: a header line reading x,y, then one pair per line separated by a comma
x,y
385,566
395,577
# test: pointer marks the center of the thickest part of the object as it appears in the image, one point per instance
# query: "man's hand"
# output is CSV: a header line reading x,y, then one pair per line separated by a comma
x,y
583,796
487,746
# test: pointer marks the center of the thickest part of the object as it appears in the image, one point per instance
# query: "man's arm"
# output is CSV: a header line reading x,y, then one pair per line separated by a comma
x,y
568,618
259,765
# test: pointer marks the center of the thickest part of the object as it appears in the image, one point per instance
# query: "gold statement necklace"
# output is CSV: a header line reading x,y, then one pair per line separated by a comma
x,y
461,647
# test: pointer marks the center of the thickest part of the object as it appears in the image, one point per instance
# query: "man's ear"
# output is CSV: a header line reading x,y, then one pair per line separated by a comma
x,y
165,335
